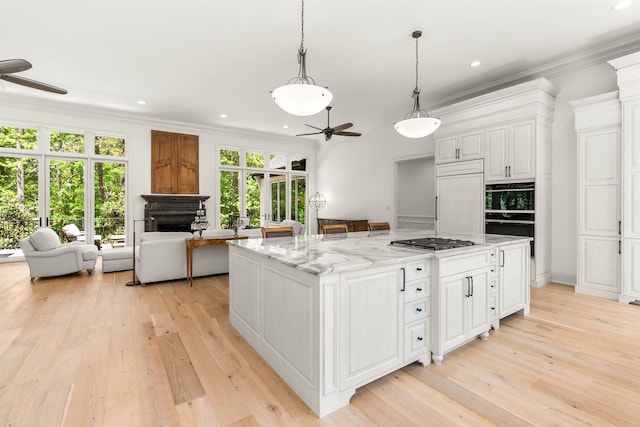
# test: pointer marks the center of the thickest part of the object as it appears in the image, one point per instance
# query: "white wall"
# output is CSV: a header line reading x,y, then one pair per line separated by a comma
x,y
35,113
357,175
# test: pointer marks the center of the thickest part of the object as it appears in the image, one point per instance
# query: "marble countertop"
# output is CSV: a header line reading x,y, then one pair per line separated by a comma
x,y
325,254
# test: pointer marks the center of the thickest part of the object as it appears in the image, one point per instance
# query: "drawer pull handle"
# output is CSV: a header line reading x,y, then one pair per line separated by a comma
x,y
419,268
493,308
418,309
418,289
420,338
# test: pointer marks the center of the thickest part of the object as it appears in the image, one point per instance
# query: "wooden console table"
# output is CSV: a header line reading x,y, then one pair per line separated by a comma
x,y
194,242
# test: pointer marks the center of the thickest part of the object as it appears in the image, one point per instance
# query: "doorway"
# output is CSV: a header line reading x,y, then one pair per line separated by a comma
x,y
415,193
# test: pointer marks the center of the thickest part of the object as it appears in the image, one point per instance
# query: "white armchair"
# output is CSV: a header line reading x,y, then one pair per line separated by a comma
x,y
47,257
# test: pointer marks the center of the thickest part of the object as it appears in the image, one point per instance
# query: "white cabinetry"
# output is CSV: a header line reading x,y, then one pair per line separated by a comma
x,y
510,152
514,278
513,126
465,146
460,197
599,205
460,306
372,308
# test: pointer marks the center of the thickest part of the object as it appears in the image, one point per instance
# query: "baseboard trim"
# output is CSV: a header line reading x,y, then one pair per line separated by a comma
x,y
545,279
564,278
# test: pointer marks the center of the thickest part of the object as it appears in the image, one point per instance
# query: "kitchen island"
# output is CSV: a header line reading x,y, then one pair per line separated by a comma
x,y
331,313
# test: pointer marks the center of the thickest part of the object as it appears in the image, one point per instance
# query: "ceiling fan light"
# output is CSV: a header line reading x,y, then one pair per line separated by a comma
x,y
302,99
417,127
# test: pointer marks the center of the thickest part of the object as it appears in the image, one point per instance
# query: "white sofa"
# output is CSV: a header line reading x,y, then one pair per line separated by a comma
x,y
162,256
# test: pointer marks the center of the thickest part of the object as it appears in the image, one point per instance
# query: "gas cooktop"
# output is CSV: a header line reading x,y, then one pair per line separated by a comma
x,y
433,243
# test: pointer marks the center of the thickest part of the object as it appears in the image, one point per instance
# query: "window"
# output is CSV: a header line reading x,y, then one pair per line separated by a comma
x,y
265,192
63,142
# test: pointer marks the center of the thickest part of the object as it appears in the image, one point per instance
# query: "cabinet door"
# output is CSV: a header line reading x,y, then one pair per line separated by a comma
x,y
599,266
514,279
632,268
453,291
187,164
495,165
446,149
460,204
471,146
371,312
163,165
478,303
522,151
599,182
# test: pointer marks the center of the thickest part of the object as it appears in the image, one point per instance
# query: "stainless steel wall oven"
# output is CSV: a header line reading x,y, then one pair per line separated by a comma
x,y
510,210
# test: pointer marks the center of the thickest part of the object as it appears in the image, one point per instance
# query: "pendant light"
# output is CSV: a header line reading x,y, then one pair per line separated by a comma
x,y
417,123
300,96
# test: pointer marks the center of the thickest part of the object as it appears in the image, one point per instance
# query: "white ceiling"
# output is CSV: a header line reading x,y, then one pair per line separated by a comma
x,y
192,60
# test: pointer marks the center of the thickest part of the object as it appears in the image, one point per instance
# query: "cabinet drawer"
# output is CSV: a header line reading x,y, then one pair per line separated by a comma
x,y
417,269
416,310
416,339
456,264
417,289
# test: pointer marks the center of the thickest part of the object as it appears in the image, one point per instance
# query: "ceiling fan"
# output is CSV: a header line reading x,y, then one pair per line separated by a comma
x,y
329,131
10,66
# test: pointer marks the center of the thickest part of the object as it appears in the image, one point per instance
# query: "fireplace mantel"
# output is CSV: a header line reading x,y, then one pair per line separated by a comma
x,y
171,212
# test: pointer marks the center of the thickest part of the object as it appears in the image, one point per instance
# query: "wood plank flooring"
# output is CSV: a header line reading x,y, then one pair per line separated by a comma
x,y
85,350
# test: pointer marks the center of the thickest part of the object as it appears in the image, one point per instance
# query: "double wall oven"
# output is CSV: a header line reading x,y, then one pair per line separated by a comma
x,y
510,210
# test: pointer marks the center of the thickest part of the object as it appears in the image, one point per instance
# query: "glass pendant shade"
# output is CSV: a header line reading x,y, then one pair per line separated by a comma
x,y
302,99
417,127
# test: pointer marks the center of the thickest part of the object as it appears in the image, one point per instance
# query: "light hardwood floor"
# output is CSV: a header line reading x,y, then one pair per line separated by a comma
x,y
86,350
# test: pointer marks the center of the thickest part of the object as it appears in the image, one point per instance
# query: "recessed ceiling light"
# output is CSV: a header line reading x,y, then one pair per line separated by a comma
x,y
141,102
285,127
475,64
223,116
623,4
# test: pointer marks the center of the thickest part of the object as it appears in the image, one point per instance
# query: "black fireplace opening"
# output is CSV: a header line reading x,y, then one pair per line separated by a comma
x,y
171,212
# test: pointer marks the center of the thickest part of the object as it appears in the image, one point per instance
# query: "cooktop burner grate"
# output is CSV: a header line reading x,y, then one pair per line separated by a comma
x,y
433,243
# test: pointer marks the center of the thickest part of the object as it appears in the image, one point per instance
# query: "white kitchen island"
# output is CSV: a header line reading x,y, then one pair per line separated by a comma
x,y
332,313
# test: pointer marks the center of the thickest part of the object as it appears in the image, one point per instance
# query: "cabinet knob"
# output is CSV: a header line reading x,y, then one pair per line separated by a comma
x,y
418,289
419,268
493,308
420,338
418,309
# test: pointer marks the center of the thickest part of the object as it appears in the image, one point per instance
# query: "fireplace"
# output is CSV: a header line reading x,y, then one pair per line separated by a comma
x,y
171,212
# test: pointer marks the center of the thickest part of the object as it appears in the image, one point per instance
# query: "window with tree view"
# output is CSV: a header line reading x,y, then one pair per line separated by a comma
x,y
265,191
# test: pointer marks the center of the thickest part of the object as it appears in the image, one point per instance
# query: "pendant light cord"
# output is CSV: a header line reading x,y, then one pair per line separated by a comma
x,y
416,89
302,27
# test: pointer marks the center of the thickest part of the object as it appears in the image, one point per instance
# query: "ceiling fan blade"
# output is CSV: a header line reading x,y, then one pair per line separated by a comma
x,y
305,134
9,66
342,127
347,133
313,127
32,84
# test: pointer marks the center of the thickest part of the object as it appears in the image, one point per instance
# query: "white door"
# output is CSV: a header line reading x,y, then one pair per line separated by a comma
x,y
599,182
632,268
446,149
478,303
453,299
470,146
460,204
371,310
495,164
513,278
522,147
599,266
